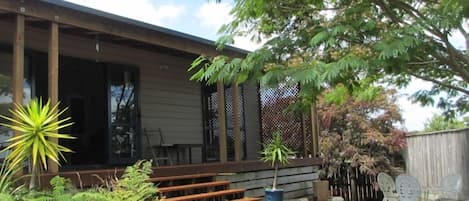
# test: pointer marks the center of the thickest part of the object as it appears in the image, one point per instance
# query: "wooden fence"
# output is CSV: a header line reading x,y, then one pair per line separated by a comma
x,y
352,185
432,156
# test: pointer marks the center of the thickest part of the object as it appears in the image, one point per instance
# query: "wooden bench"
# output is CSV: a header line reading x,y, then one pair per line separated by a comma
x,y
181,177
201,196
193,186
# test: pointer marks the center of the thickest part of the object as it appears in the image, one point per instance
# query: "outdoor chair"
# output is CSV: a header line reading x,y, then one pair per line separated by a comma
x,y
408,188
450,189
160,151
388,187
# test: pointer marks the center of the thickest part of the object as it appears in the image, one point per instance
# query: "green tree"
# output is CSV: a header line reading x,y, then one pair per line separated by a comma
x,y
439,123
321,43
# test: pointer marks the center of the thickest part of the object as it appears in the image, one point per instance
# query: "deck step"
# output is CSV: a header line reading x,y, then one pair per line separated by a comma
x,y
192,186
181,177
206,195
248,199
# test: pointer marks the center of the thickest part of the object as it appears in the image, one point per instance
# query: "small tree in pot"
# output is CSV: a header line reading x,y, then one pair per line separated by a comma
x,y
276,153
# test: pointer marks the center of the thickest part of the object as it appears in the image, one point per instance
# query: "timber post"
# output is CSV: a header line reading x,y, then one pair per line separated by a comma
x,y
222,121
53,84
236,122
314,130
18,64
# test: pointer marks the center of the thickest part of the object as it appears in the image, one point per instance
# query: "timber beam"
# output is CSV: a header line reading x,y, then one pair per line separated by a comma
x,y
113,25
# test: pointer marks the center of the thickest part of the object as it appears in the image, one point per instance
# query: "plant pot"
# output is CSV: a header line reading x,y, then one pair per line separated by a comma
x,y
321,190
273,195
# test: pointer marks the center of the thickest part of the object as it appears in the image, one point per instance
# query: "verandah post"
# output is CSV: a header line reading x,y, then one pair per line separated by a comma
x,y
222,121
236,121
315,130
18,63
53,84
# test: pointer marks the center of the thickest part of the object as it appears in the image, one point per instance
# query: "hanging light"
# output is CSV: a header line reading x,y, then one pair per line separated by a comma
x,y
97,47
126,78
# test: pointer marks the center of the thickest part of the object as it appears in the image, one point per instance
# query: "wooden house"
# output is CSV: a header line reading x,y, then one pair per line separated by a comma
x,y
120,77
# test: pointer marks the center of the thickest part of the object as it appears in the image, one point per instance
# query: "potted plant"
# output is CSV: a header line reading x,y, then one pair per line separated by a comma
x,y
276,153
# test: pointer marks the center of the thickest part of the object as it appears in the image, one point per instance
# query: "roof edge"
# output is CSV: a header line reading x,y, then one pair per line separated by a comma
x,y
126,20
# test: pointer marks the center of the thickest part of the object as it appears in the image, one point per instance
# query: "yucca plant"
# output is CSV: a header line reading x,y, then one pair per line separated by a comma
x,y
8,179
277,153
37,124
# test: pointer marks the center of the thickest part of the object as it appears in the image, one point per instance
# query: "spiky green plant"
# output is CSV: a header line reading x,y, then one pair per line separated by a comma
x,y
9,179
37,124
277,153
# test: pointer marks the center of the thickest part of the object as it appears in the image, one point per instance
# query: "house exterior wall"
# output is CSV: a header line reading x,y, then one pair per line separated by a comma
x,y
168,99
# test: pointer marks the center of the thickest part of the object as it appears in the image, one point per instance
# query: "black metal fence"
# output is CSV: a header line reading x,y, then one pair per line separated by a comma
x,y
353,185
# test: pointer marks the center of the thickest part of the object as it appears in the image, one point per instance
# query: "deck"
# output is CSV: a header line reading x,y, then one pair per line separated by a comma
x,y
86,178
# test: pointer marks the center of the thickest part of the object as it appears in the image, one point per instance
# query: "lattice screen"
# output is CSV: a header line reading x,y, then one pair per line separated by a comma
x,y
212,124
295,129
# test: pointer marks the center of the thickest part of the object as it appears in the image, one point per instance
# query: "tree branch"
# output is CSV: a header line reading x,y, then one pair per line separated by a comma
x,y
465,34
423,62
388,11
456,55
460,89
418,17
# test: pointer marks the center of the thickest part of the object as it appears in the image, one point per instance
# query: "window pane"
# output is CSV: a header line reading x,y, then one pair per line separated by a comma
x,y
6,94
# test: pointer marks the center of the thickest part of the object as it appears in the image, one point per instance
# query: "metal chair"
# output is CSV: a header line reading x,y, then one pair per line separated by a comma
x,y
408,188
161,151
450,189
388,187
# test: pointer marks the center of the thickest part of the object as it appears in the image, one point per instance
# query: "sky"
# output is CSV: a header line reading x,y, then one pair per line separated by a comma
x,y
203,18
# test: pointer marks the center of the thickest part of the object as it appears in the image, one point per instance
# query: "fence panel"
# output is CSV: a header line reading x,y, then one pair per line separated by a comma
x,y
430,157
352,185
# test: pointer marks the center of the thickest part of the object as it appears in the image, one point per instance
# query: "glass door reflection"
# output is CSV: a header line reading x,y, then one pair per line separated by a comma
x,y
123,115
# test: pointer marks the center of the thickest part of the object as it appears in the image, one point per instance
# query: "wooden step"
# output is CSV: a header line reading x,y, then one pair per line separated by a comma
x,y
248,199
192,186
181,177
206,195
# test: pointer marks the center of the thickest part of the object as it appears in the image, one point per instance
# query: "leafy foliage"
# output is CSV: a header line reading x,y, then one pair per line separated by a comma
x,y
439,123
36,124
360,133
277,154
132,186
322,43
9,181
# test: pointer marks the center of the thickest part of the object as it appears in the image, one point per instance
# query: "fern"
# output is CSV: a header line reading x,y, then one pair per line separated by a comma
x,y
133,185
93,195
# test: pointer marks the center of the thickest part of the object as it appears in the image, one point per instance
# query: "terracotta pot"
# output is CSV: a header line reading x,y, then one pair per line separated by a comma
x,y
321,190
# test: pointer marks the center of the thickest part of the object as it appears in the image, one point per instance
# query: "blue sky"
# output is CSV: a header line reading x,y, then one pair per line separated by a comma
x,y
203,18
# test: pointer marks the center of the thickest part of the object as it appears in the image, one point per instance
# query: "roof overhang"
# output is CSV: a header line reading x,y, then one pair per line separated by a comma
x,y
91,22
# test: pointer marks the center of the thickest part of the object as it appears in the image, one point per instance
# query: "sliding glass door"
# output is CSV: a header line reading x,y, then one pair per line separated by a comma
x,y
123,115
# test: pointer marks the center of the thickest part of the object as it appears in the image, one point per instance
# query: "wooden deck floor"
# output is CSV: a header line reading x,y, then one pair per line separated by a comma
x,y
88,178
